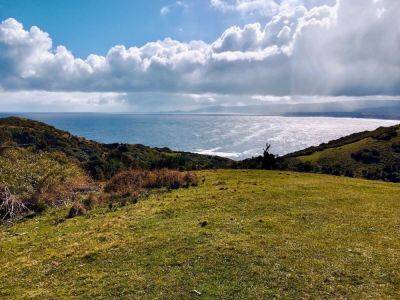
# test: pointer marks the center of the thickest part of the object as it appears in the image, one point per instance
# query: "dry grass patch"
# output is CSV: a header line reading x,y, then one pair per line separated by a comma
x,y
133,182
31,182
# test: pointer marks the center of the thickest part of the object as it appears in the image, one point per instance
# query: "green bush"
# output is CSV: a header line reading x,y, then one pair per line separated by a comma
x,y
367,156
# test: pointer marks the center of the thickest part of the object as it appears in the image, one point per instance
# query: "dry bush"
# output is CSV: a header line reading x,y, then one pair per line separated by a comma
x,y
10,205
60,188
39,180
90,201
132,182
125,182
77,209
82,206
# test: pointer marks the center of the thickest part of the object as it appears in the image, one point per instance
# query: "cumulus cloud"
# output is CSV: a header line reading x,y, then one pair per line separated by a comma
x,y
349,48
265,8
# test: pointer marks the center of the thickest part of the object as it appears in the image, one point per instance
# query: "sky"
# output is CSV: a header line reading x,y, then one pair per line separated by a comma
x,y
166,55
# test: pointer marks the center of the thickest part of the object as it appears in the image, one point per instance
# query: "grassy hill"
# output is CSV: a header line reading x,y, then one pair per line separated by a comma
x,y
102,161
370,154
239,234
208,234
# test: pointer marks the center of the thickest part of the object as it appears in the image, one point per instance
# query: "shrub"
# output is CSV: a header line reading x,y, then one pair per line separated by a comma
x,y
385,134
10,205
268,159
391,173
90,201
77,209
366,156
39,180
373,174
349,173
396,147
133,182
304,166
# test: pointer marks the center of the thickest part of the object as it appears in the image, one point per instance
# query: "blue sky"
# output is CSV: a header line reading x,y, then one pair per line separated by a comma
x,y
94,26
161,55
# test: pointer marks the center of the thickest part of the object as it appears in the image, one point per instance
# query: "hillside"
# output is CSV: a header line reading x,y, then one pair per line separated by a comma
x,y
239,234
370,154
100,160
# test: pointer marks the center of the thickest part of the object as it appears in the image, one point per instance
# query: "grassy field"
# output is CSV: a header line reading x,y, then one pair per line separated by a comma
x,y
239,234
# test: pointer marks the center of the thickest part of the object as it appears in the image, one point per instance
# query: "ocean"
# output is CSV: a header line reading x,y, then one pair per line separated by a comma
x,y
233,136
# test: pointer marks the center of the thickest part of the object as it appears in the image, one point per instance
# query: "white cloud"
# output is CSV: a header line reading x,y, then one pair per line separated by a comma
x,y
164,10
168,8
351,48
261,7
42,101
264,8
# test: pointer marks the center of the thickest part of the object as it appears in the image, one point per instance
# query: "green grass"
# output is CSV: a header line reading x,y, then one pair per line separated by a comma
x,y
339,157
268,234
340,153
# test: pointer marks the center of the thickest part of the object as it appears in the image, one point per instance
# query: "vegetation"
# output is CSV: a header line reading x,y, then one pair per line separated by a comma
x,y
239,234
101,161
380,134
267,161
144,231
132,181
371,155
30,182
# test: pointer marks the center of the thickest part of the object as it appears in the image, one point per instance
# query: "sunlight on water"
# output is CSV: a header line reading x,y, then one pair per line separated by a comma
x,y
231,136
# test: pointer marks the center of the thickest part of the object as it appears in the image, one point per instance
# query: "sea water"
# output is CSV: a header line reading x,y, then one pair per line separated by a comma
x,y
233,136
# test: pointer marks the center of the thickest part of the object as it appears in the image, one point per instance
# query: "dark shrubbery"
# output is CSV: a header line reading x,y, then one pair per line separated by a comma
x,y
304,166
367,156
268,159
385,134
396,147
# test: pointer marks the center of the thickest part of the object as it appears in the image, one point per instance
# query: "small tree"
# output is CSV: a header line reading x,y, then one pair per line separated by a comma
x,y
268,159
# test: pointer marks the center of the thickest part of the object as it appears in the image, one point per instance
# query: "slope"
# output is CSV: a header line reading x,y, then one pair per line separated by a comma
x,y
240,234
100,160
370,154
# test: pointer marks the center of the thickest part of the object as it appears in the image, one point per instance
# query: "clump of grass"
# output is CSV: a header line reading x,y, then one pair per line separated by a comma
x,y
91,201
35,181
77,209
82,206
133,182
